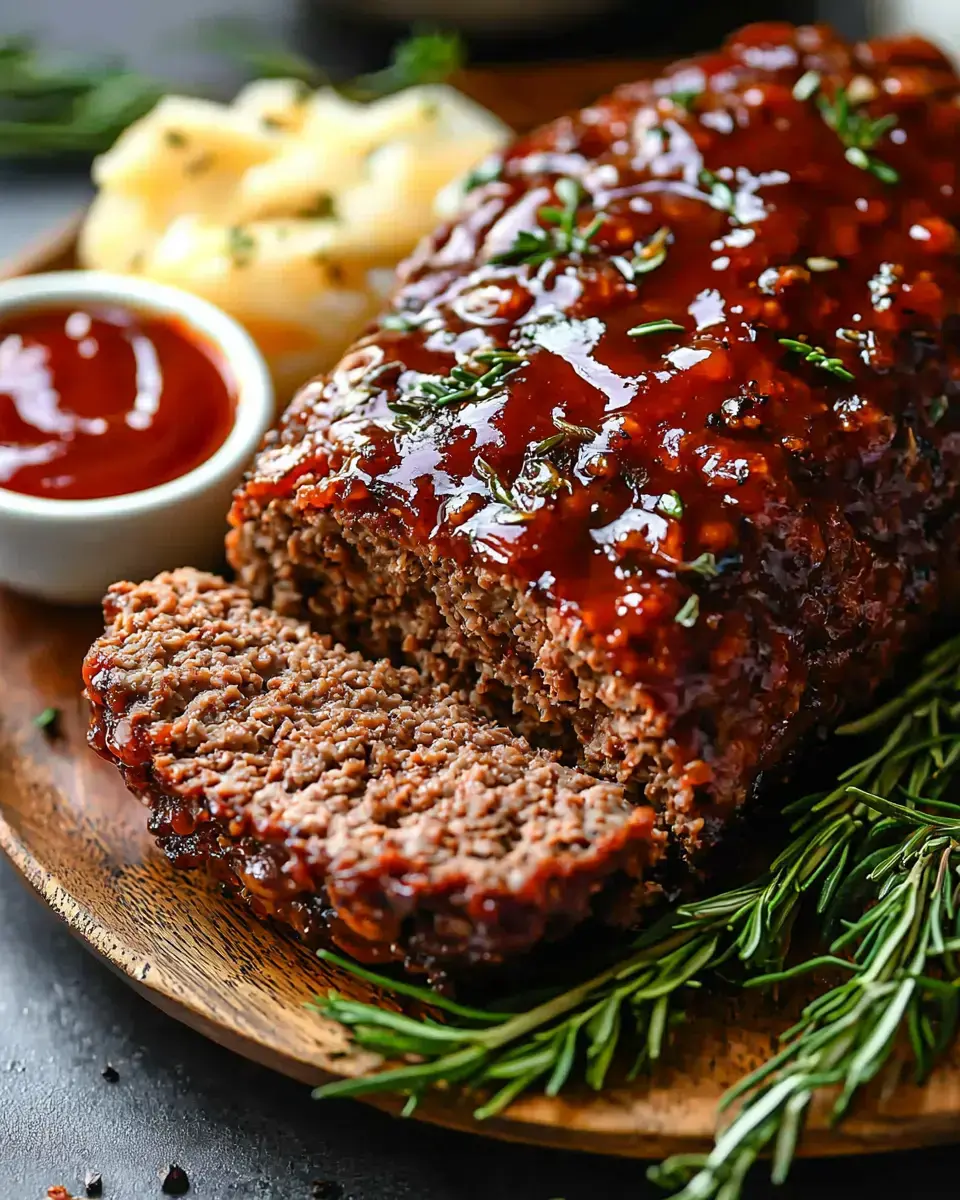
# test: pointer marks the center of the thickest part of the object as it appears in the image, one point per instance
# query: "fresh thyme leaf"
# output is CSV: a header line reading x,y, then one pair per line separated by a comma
x,y
818,357
858,132
689,612
431,394
670,505
662,325
563,237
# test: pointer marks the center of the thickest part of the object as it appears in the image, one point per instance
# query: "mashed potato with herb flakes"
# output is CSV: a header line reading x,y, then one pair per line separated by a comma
x,y
287,208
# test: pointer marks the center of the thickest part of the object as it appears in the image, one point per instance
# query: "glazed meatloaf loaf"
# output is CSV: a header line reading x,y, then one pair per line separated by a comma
x,y
345,797
659,439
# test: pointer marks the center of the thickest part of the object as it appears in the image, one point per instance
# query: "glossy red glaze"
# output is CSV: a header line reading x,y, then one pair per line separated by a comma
x,y
819,496
106,401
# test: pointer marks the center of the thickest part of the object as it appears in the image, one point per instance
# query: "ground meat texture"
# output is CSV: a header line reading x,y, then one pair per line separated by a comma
x,y
345,796
577,468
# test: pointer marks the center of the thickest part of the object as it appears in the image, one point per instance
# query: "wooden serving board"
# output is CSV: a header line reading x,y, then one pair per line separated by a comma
x,y
80,840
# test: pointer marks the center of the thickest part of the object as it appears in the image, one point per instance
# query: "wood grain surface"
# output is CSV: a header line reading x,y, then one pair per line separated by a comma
x,y
80,840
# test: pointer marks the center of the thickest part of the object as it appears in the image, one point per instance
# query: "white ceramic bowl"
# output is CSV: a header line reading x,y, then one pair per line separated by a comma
x,y
69,551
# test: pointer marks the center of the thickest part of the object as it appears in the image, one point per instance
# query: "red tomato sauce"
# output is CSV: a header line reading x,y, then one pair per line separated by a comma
x,y
104,401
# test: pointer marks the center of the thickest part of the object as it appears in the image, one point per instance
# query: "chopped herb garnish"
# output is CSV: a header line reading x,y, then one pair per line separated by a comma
x,y
173,137
324,208
240,245
547,444
670,505
939,406
199,164
485,172
806,85
721,195
818,263
430,394
663,325
581,433
858,132
704,564
818,357
400,322
501,493
684,100
688,614
649,255
536,246
48,721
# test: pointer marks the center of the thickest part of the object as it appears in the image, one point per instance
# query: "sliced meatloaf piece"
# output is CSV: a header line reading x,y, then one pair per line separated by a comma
x,y
344,795
660,437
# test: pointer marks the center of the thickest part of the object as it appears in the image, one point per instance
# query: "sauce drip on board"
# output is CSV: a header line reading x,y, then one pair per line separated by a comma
x,y
105,401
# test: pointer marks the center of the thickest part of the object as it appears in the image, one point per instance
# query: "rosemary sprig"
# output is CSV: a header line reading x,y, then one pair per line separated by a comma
x,y
835,837
858,132
818,357
564,236
905,929
431,394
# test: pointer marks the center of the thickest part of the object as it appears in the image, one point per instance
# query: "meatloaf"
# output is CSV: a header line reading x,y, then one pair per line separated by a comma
x,y
656,451
347,797
658,441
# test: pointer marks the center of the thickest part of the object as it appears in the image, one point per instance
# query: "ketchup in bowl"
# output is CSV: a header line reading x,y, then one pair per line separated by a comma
x,y
101,400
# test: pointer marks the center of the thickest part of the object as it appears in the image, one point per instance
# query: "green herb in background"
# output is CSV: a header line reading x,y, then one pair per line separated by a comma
x,y
52,105
55,105
876,859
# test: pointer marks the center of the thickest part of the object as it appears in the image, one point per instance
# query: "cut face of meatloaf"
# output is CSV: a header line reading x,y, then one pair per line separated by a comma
x,y
659,439
347,796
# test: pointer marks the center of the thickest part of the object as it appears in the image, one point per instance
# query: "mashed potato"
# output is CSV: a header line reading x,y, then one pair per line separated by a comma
x,y
288,209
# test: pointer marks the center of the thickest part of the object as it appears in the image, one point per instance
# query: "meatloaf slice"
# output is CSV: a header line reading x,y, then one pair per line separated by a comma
x,y
344,793
661,437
